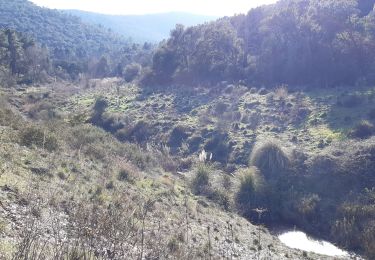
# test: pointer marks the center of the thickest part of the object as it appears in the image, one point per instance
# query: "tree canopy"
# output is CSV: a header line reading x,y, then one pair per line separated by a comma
x,y
297,42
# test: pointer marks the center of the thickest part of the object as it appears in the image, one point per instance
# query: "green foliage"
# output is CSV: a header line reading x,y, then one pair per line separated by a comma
x,y
251,185
222,198
8,117
65,34
74,47
140,132
124,175
131,71
219,146
178,135
21,59
107,121
270,158
100,106
39,137
201,179
211,55
294,42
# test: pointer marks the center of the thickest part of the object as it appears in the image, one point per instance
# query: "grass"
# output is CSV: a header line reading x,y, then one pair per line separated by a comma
x,y
90,159
270,158
325,133
201,179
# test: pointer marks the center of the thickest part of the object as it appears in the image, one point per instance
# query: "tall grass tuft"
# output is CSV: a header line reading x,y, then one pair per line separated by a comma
x,y
270,158
201,179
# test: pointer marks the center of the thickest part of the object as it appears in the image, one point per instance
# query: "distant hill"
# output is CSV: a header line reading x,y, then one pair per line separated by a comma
x,y
65,35
141,28
74,46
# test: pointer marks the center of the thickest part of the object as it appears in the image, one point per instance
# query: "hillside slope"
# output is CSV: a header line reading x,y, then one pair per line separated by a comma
x,y
142,28
65,35
69,190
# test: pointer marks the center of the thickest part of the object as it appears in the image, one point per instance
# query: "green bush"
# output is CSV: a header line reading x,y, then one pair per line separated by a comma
x,y
8,117
220,197
140,132
363,130
220,147
270,158
35,136
251,184
201,180
178,135
124,175
131,71
220,108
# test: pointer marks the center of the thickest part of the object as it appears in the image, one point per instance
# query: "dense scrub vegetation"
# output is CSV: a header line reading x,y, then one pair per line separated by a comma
x,y
66,35
22,59
329,193
74,47
69,190
297,42
134,151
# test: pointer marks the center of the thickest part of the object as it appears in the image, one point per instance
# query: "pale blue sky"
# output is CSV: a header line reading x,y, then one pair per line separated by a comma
x,y
204,7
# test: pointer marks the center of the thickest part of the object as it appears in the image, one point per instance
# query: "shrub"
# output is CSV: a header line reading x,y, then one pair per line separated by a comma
x,y
220,108
200,182
251,183
270,158
39,137
101,104
227,182
131,71
110,185
125,175
363,130
219,146
8,117
99,108
139,133
220,197
178,135
96,151
83,135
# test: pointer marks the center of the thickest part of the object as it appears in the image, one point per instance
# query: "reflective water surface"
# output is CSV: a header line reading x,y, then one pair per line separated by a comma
x,y
299,240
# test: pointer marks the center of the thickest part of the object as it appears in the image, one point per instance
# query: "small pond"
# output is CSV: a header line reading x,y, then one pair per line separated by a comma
x,y
299,240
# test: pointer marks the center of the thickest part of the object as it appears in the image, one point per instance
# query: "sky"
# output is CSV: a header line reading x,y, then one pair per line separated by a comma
x,y
126,7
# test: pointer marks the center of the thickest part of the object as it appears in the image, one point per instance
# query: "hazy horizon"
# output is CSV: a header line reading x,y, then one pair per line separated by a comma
x,y
143,7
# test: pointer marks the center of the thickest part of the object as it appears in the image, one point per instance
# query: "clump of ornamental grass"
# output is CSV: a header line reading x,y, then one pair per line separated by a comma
x,y
270,158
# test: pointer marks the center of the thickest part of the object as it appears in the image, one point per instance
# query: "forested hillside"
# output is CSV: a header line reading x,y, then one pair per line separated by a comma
x,y
74,47
112,150
143,28
66,35
21,56
298,42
